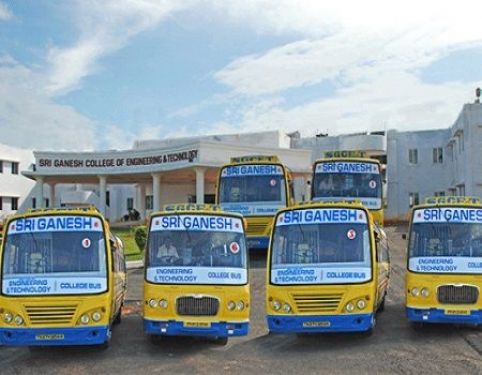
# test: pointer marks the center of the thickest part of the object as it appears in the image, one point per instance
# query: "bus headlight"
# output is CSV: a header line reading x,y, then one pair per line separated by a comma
x,y
424,292
84,319
153,303
96,316
361,304
231,305
286,308
350,307
163,303
415,292
18,320
240,305
7,317
275,305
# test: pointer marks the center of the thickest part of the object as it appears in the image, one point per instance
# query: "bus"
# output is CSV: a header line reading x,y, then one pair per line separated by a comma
x,y
328,269
256,187
63,279
349,175
196,273
444,268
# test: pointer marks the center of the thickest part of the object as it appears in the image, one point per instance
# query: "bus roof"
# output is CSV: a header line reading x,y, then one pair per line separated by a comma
x,y
327,204
345,154
255,159
348,159
454,201
195,208
91,210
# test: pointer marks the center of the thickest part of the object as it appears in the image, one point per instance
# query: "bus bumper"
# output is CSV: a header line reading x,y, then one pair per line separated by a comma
x,y
176,328
320,323
257,242
55,336
433,315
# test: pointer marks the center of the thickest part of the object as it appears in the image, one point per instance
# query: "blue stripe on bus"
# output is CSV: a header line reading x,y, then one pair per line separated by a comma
x,y
438,316
71,336
176,328
320,323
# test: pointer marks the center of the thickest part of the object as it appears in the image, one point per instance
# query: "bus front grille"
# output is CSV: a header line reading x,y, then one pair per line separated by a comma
x,y
313,303
197,306
457,294
40,314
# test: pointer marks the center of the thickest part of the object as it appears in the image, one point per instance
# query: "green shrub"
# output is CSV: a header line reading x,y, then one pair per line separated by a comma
x,y
140,236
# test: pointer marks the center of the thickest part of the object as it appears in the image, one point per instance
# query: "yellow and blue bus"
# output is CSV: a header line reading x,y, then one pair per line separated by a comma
x,y
196,273
349,175
328,269
444,268
63,279
256,187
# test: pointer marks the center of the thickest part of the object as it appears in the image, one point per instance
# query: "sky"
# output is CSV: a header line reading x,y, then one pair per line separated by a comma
x,y
98,75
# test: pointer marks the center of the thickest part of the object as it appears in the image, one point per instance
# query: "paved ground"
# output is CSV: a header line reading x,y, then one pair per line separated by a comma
x,y
395,347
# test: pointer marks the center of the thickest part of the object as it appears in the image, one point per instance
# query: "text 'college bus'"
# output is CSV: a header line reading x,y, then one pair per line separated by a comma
x,y
328,269
348,175
63,279
196,278
444,275
256,187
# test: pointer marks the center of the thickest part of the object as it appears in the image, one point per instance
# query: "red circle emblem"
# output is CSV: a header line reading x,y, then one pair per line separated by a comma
x,y
86,242
351,234
372,184
234,247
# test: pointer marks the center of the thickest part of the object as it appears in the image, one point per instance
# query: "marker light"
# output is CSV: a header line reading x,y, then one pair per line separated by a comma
x,y
7,317
96,316
424,292
361,304
18,320
415,292
163,303
153,303
240,305
349,307
286,308
84,319
275,305
231,305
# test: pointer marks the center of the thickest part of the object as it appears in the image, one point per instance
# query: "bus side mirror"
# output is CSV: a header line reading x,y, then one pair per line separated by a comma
x,y
404,236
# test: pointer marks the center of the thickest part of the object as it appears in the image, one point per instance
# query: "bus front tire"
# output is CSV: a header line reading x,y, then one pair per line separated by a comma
x,y
221,340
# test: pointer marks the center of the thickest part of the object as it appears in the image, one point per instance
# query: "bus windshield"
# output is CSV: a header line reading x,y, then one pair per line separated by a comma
x,y
348,180
258,187
321,246
54,255
443,240
197,249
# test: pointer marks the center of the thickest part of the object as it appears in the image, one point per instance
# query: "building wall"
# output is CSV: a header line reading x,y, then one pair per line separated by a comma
x,y
14,185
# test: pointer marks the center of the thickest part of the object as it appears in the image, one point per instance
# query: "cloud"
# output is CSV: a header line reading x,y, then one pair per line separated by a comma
x,y
5,13
30,119
372,59
104,27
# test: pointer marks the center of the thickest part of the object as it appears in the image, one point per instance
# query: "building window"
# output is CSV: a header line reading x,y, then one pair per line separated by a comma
x,y
452,192
1,166
461,143
439,194
413,199
438,155
413,156
14,167
47,202
130,203
1,203
14,203
107,198
149,202
461,189
34,202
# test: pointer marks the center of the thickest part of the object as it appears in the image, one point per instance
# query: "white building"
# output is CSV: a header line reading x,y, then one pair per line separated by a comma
x,y
14,187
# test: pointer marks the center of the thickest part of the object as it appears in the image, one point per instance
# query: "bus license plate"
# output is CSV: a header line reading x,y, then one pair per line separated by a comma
x,y
323,324
51,336
457,312
197,324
